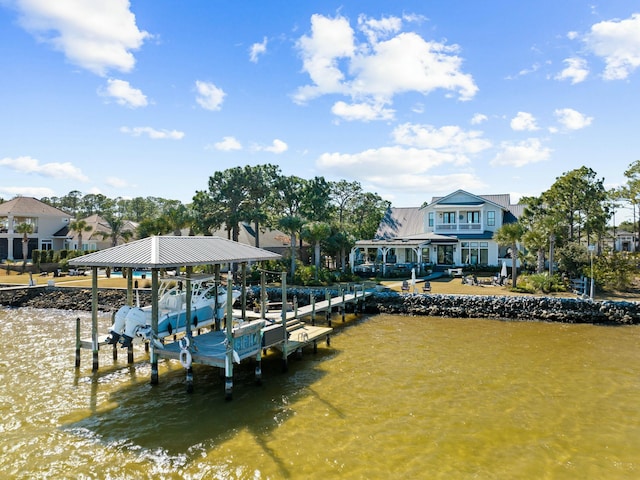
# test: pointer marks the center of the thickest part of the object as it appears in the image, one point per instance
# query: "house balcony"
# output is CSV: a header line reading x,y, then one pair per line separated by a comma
x,y
458,227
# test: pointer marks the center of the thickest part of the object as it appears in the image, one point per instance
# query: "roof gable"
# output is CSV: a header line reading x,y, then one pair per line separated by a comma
x,y
29,206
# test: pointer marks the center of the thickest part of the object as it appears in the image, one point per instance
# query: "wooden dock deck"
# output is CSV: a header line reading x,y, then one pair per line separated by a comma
x,y
284,332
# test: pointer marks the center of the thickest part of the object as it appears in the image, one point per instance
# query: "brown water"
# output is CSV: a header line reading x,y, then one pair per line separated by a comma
x,y
393,397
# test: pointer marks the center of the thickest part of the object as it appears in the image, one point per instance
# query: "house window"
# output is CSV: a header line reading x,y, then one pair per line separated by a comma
x,y
474,253
46,245
449,217
491,218
431,219
473,217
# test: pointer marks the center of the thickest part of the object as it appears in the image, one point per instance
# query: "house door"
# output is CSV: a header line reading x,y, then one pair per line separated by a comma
x,y
445,254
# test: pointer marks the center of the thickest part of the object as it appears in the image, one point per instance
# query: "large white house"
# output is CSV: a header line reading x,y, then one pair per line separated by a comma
x,y
50,227
452,231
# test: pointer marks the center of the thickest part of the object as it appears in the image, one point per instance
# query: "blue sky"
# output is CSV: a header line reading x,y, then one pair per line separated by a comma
x,y
413,99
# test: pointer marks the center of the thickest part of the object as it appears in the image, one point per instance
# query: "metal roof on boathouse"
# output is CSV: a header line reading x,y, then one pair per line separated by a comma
x,y
174,251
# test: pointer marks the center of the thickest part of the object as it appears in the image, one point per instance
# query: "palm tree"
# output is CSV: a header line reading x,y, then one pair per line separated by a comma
x,y
79,226
292,224
25,229
314,232
117,226
510,234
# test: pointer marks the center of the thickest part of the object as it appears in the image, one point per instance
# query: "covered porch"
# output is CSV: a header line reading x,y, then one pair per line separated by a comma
x,y
398,256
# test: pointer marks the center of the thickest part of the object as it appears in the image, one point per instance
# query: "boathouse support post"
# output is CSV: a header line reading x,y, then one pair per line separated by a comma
x,y
228,374
129,273
263,294
283,316
94,316
187,324
313,307
78,344
188,293
328,297
259,360
344,307
154,324
216,317
243,270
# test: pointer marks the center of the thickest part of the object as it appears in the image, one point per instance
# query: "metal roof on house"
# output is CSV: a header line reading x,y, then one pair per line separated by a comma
x,y
400,222
173,251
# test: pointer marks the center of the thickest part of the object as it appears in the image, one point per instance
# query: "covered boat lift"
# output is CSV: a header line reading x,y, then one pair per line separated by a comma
x,y
165,252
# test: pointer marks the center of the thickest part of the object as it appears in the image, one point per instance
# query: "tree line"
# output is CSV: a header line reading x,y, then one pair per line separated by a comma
x,y
568,227
330,216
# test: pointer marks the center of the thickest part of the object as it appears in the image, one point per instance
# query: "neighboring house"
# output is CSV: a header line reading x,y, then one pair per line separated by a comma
x,y
623,241
454,230
99,237
50,227
272,240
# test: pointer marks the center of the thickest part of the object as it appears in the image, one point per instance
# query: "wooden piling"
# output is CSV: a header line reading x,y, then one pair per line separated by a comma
x,y
228,379
94,316
313,308
259,364
283,316
189,379
154,324
78,344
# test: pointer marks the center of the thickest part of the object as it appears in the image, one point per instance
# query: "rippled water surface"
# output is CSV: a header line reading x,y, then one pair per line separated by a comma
x,y
393,397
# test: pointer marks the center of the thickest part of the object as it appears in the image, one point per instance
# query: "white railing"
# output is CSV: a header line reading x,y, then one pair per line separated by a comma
x,y
453,227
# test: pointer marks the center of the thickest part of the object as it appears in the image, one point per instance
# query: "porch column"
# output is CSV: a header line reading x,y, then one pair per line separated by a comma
x,y
352,257
418,252
384,251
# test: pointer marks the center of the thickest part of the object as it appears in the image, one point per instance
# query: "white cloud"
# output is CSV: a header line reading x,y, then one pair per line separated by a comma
x,y
209,97
576,70
433,184
375,29
524,121
28,165
36,192
153,133
124,93
449,138
384,161
228,144
116,182
257,49
278,146
617,42
572,119
521,153
97,35
372,71
479,118
361,111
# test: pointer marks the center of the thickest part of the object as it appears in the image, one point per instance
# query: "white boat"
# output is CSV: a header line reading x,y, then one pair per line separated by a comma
x,y
131,322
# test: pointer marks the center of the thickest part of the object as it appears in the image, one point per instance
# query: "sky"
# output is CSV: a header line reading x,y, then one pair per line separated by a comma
x,y
412,99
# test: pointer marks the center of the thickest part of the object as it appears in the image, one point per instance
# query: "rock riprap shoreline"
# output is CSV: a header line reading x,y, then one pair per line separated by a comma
x,y
522,308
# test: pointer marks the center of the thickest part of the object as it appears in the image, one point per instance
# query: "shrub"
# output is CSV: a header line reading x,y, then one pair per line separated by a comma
x,y
540,282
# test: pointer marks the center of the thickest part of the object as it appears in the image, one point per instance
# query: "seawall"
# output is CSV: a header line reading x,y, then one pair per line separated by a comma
x,y
522,308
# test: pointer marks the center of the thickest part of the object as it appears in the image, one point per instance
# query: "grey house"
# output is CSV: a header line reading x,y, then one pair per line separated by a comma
x,y
452,231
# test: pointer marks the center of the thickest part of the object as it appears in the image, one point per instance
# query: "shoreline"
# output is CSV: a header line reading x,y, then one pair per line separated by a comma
x,y
513,307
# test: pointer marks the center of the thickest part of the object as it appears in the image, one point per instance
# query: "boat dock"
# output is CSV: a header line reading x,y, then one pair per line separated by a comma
x,y
245,334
